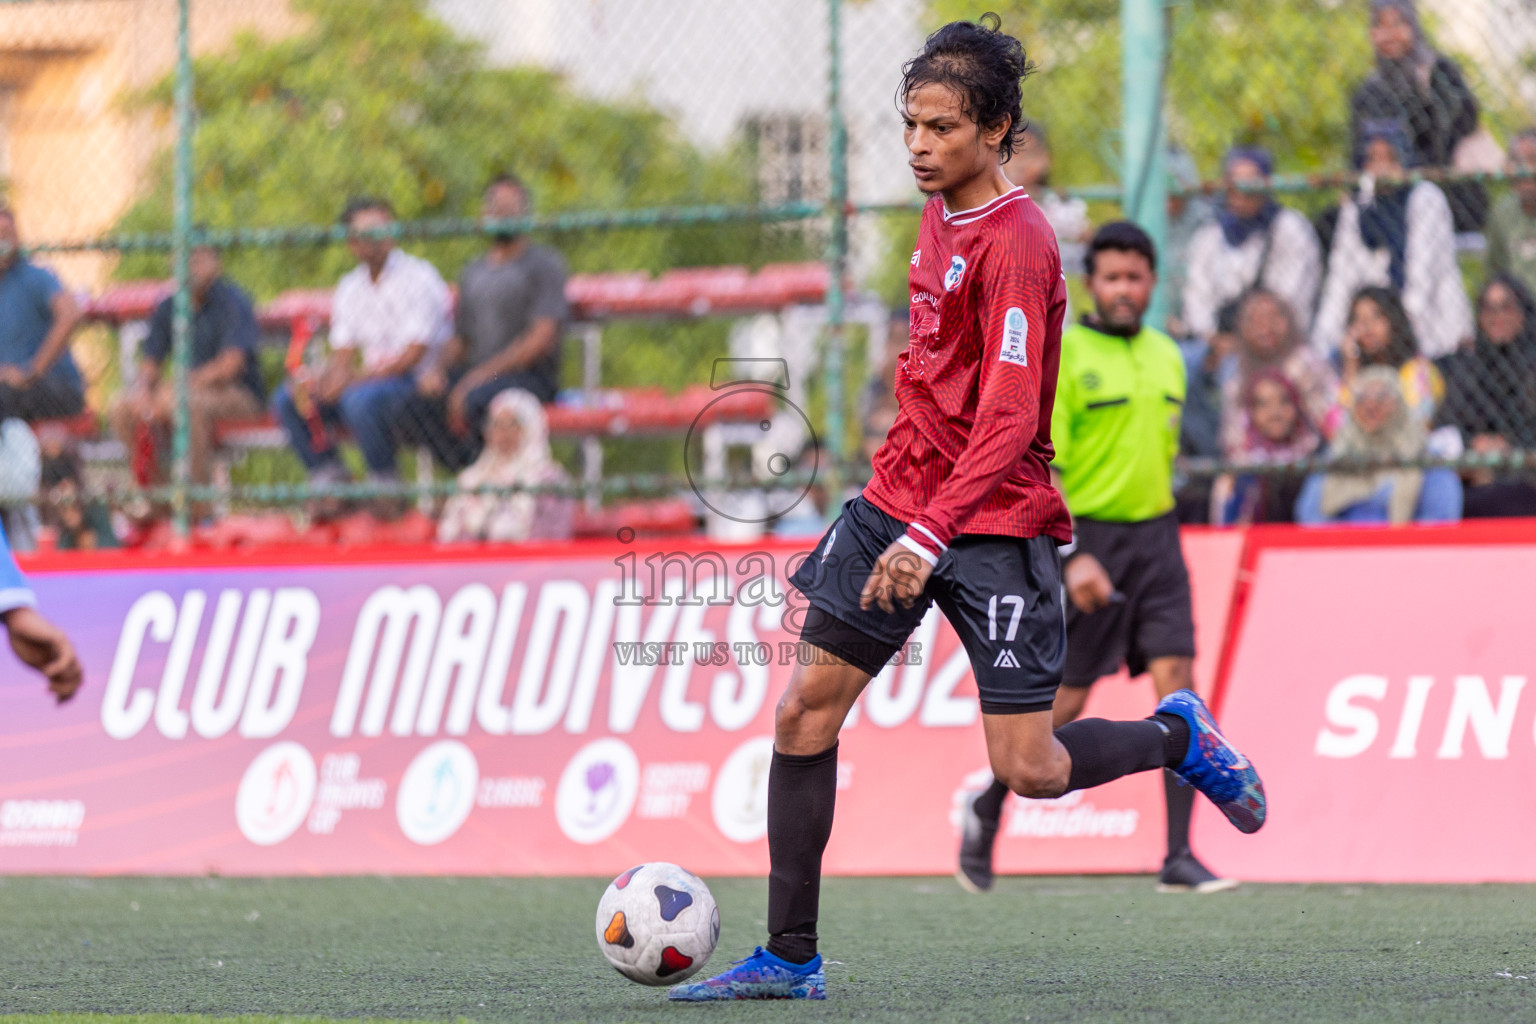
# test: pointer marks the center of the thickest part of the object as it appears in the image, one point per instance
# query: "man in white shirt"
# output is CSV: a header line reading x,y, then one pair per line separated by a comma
x,y
1254,242
387,314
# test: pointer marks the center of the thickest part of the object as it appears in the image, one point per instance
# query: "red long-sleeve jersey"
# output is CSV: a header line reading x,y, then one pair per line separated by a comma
x,y
970,450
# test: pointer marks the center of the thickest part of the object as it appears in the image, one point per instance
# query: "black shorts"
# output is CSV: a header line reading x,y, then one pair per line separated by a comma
x,y
1146,565
1002,595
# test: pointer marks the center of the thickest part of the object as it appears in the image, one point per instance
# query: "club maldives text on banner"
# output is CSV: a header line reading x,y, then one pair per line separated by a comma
x,y
1389,709
570,710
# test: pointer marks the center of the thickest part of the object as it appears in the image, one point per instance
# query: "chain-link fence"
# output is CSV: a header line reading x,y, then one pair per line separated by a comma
x,y
678,232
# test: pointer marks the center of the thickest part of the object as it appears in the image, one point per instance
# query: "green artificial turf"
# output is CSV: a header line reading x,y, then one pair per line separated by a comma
x,y
1040,949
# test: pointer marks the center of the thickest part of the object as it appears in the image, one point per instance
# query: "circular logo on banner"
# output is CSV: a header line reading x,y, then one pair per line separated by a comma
x,y
597,790
740,799
275,793
437,792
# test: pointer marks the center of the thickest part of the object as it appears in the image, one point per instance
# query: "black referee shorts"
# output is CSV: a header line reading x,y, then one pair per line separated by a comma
x,y
1146,565
1002,595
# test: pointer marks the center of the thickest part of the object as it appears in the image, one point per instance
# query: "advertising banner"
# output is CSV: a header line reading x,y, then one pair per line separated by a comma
x,y
1379,684
566,710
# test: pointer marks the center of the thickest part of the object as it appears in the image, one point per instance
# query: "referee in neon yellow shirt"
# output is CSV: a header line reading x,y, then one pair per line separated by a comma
x,y
1115,428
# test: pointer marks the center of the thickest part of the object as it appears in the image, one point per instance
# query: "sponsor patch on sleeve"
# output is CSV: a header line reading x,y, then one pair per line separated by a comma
x,y
1015,349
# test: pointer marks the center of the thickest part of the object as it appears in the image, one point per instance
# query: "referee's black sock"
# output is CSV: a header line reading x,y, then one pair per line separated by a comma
x,y
801,794
1103,751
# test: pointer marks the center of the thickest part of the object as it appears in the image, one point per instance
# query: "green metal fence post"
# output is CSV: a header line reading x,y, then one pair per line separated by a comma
x,y
181,322
1144,173
837,250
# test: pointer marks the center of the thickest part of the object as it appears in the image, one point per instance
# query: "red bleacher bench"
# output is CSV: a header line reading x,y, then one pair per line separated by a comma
x,y
83,427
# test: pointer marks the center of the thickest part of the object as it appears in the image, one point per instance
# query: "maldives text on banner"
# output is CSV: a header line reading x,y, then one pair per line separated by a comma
x,y
571,711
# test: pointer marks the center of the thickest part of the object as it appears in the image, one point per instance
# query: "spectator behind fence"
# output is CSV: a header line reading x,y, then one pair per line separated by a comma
x,y
1424,89
224,384
1491,397
38,378
1380,334
1278,432
1396,235
79,522
516,455
1380,429
1030,167
1188,212
387,314
511,316
1268,341
1255,242
1511,230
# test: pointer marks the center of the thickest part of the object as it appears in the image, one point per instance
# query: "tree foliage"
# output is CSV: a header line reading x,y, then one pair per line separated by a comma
x,y
379,97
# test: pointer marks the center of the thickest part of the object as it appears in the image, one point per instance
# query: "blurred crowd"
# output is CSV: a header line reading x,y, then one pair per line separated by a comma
x,y
1349,337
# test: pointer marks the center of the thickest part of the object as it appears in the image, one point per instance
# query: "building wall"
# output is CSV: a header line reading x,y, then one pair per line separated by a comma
x,y
77,158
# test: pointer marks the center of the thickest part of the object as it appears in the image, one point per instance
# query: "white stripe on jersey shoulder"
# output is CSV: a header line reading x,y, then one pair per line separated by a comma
x,y
975,213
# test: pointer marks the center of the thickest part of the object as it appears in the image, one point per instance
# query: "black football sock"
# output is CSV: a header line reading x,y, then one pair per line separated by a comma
x,y
1178,737
989,806
1103,751
1181,801
801,793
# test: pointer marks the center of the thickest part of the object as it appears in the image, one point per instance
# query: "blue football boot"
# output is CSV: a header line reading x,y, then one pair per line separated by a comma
x,y
760,976
1213,765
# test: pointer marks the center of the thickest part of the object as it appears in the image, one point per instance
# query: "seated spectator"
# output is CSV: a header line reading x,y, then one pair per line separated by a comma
x,y
38,378
1278,432
1425,91
1397,236
1268,340
1491,397
225,383
1255,242
511,316
1511,230
1380,429
1030,168
516,455
1380,334
79,523
388,313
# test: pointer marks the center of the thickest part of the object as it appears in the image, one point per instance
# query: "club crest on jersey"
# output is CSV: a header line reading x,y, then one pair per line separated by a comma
x,y
956,272
1015,335
917,256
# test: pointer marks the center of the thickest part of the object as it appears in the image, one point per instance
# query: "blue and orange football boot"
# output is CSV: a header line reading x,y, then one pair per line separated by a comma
x,y
1214,766
760,976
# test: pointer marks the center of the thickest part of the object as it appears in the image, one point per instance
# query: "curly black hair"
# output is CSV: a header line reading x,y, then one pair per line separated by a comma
x,y
985,66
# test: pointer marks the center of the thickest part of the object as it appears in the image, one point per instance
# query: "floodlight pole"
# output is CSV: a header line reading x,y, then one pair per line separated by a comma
x,y
1144,141
837,252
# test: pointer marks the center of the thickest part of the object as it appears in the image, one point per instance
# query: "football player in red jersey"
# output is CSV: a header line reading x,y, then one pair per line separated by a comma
x,y
960,513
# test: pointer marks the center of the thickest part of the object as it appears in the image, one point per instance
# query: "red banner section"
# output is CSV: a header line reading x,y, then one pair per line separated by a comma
x,y
1379,683
563,710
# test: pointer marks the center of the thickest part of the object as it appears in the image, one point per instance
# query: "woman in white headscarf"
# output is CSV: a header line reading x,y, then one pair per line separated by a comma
x,y
1380,431
516,455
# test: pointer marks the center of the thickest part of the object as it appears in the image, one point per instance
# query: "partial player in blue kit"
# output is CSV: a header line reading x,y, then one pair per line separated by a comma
x,y
36,641
960,513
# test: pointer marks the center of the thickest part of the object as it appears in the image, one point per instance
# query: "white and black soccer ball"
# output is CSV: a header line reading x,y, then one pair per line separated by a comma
x,y
657,924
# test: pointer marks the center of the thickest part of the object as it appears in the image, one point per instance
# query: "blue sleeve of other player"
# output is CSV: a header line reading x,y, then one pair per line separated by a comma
x,y
14,592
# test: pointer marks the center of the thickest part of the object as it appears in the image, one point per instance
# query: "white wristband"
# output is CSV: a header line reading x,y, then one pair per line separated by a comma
x,y
918,549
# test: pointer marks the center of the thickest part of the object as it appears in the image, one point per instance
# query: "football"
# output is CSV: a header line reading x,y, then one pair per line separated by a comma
x,y
657,924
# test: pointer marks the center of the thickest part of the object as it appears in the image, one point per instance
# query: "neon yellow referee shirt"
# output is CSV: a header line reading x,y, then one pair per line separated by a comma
x,y
1115,426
